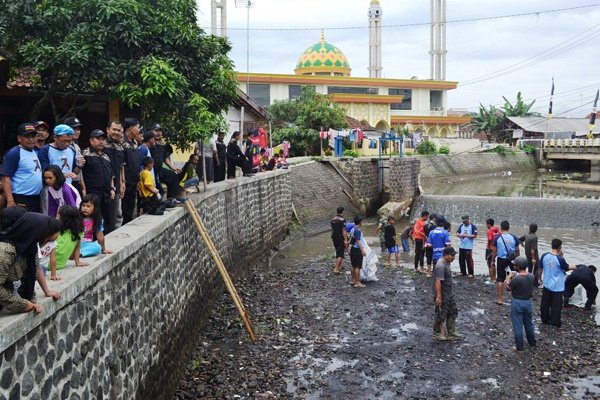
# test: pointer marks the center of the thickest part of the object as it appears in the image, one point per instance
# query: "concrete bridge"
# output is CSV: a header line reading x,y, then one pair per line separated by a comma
x,y
573,150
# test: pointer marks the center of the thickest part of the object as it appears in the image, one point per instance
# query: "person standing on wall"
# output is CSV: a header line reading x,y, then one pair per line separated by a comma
x,y
467,232
220,158
420,238
339,238
132,167
553,268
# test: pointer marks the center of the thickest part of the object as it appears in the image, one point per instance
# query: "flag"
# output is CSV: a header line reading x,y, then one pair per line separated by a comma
x,y
551,94
593,116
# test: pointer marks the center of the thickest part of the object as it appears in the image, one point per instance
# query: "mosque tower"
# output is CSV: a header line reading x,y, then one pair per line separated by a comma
x,y
215,6
375,39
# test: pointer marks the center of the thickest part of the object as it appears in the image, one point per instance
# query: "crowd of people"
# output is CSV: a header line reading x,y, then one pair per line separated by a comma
x,y
507,269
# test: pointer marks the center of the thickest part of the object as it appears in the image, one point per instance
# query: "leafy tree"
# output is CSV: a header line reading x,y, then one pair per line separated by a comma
x,y
299,121
145,53
519,109
427,147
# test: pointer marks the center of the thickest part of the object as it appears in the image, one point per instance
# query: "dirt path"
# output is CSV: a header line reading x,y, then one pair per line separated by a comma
x,y
317,337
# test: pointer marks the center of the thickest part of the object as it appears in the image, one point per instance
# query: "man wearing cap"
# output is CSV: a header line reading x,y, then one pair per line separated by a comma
x,y
339,238
584,275
521,284
132,167
438,240
60,153
467,232
43,132
98,174
22,172
446,310
166,176
75,124
116,153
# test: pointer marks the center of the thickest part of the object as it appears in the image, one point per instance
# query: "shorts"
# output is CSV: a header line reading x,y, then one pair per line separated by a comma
x,y
488,258
338,244
447,309
393,250
501,265
356,257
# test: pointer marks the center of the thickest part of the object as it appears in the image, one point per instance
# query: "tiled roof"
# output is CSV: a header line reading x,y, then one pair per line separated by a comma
x,y
24,78
356,124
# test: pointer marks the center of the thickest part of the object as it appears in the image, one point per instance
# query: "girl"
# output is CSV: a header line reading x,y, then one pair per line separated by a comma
x,y
57,192
92,225
68,242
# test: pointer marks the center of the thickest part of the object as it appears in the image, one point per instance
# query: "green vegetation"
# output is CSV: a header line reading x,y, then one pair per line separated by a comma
x,y
528,149
503,150
427,147
444,150
350,153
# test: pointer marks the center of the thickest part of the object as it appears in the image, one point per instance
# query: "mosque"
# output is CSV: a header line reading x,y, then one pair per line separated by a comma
x,y
416,103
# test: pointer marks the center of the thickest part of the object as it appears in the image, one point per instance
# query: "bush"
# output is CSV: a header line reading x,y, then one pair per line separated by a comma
x,y
444,150
528,149
426,147
350,153
503,150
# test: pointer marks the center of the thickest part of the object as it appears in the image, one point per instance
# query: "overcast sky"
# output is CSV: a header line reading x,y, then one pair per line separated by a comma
x,y
567,41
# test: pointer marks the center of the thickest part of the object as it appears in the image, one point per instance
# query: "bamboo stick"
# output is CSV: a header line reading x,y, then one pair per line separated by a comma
x,y
221,267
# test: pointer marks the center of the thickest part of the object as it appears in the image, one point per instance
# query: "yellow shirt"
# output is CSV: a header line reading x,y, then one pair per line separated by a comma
x,y
146,180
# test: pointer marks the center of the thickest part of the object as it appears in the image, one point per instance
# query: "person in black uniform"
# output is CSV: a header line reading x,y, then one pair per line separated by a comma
x,y
98,173
584,275
116,153
235,158
132,167
220,159
167,176
339,238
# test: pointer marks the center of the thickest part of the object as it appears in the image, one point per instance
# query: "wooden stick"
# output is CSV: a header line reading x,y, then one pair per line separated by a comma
x,y
221,267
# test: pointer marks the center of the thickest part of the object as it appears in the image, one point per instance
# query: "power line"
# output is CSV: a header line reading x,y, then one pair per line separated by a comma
x,y
421,23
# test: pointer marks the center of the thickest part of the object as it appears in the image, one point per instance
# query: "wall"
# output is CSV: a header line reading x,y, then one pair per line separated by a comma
x,y
404,179
126,325
519,211
453,165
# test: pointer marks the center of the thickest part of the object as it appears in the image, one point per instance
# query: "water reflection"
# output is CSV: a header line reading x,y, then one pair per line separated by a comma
x,y
576,185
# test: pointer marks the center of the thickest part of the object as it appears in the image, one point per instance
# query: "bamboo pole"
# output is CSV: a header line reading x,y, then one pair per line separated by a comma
x,y
221,267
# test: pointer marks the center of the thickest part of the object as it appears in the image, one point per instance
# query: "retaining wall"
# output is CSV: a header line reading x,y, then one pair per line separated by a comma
x,y
453,165
404,178
126,325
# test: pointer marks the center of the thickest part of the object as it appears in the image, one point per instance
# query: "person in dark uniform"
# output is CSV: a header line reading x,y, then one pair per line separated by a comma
x,y
339,238
98,173
116,153
220,159
584,275
235,158
167,176
132,167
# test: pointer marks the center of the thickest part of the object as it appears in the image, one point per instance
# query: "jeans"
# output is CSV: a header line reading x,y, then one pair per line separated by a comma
x,y
190,182
405,245
521,314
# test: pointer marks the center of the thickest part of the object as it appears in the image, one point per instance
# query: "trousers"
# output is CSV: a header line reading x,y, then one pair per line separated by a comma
x,y
551,307
521,314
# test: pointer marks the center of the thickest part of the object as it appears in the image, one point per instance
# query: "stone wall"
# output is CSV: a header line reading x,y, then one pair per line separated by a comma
x,y
404,178
453,165
126,325
519,211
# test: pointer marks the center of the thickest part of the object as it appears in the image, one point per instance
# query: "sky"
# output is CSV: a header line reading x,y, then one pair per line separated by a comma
x,y
526,51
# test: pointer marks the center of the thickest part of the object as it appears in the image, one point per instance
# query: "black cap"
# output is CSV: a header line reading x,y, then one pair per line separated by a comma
x,y
156,127
148,135
449,251
340,209
26,129
73,122
97,133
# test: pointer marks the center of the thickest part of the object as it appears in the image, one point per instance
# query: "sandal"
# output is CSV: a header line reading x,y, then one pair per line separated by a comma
x,y
359,285
496,302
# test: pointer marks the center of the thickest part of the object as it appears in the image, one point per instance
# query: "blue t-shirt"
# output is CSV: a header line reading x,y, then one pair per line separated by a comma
x,y
438,239
24,169
357,234
511,242
467,243
64,159
554,267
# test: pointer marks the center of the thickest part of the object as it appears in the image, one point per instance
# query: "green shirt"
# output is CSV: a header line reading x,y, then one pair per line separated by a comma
x,y
383,223
65,246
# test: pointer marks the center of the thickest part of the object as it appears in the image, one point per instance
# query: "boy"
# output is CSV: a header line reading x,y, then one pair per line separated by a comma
x,y
391,242
149,201
381,230
356,253
405,236
521,285
438,240
492,233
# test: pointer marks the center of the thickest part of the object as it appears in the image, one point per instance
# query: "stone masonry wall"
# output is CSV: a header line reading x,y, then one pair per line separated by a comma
x,y
404,178
363,174
125,325
452,165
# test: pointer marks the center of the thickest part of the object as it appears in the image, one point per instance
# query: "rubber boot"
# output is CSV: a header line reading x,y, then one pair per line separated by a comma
x,y
452,334
437,331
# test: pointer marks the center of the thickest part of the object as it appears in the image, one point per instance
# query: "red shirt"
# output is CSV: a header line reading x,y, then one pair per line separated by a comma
x,y
418,231
491,235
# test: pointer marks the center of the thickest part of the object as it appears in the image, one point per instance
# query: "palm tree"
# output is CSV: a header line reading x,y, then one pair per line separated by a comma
x,y
486,121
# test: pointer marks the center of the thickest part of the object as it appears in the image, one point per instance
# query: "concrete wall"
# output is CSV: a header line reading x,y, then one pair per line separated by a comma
x,y
519,211
404,179
452,165
126,325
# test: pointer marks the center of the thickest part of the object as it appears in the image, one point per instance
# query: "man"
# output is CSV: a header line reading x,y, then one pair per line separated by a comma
x,y
530,242
61,153
339,238
492,233
505,248
75,124
553,268
467,232
406,236
220,158
132,167
116,153
98,174
584,275
438,239
162,175
43,132
428,227
445,306
420,238
521,285
22,172
206,151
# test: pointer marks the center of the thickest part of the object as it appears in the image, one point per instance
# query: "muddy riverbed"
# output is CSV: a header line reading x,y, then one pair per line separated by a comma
x,y
319,338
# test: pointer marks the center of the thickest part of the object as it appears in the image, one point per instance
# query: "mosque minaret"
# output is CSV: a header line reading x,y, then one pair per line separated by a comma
x,y
375,13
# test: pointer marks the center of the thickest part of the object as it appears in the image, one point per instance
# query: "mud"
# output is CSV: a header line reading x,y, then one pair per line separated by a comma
x,y
319,338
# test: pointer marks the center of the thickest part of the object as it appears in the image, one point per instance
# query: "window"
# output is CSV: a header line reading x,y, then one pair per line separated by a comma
x,y
406,101
435,100
352,90
296,90
260,93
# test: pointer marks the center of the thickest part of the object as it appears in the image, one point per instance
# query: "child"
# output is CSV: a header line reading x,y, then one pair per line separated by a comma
x,y
391,242
149,201
356,253
521,285
381,230
57,192
282,161
92,225
68,242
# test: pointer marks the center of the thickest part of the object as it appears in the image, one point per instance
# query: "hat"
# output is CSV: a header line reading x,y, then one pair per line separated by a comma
x,y
465,217
440,220
521,262
148,135
97,133
62,129
26,129
449,251
41,123
72,122
156,127
340,209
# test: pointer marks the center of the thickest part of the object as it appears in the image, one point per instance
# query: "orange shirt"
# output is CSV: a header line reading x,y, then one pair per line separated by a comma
x,y
418,231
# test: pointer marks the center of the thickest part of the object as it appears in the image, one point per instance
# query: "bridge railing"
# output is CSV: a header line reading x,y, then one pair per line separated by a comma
x,y
558,143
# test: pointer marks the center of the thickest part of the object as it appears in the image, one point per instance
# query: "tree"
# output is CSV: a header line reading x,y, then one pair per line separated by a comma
x,y
519,109
146,53
486,120
299,121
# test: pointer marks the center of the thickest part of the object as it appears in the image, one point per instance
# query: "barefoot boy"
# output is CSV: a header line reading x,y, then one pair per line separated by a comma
x,y
356,252
391,241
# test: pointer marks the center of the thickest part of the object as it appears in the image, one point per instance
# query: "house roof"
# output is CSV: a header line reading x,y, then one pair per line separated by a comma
x,y
579,126
250,106
353,123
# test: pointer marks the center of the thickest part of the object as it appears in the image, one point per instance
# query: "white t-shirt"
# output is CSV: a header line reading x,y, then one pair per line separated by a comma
x,y
44,252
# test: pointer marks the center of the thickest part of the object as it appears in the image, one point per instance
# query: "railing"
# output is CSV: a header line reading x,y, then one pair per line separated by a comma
x,y
555,143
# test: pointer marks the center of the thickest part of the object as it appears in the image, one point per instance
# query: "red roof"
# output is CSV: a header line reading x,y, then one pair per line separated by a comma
x,y
24,77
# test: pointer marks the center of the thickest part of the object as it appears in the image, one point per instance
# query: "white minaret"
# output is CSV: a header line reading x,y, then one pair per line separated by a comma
x,y
216,5
438,40
375,39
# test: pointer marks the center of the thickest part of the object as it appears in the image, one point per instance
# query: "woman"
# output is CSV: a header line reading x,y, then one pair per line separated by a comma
x,y
19,261
235,157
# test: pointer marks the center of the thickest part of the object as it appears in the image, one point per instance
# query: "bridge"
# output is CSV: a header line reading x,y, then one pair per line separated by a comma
x,y
576,150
